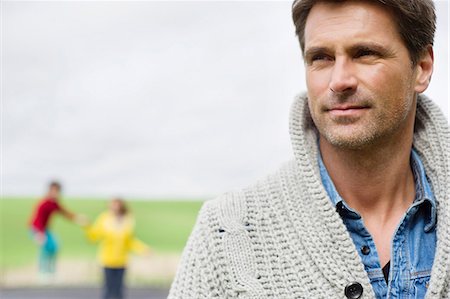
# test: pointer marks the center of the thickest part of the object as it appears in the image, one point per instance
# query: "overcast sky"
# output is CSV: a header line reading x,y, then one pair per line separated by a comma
x,y
153,99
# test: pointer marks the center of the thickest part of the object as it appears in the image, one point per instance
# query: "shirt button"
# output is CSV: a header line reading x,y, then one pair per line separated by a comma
x,y
353,290
365,250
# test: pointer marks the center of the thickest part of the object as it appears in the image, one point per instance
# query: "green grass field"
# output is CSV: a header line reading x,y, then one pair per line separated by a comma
x,y
164,225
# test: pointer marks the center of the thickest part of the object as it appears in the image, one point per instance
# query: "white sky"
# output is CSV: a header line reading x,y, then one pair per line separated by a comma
x,y
153,99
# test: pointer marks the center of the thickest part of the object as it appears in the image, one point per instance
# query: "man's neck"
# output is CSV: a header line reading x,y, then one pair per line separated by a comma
x,y
377,182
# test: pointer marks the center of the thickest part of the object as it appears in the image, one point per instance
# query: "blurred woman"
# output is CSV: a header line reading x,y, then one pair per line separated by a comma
x,y
114,230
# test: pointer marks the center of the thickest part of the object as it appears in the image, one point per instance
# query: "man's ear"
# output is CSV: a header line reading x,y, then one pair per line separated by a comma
x,y
424,70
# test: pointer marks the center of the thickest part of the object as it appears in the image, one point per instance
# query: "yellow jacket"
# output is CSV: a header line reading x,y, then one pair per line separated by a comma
x,y
116,239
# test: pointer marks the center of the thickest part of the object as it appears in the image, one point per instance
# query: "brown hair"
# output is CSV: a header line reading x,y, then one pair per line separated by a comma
x,y
55,184
415,19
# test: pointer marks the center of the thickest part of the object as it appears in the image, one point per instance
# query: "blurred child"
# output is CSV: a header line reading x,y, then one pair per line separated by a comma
x,y
114,229
39,226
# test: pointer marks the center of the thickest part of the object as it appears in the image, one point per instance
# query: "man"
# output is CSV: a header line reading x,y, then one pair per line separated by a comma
x,y
363,210
39,225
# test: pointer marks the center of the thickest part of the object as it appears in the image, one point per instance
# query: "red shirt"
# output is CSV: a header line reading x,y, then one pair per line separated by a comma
x,y
44,209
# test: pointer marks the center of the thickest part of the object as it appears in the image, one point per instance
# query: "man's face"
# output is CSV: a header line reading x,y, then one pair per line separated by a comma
x,y
361,83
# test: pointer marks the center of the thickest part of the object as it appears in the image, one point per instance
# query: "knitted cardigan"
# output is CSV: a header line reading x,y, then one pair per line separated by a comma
x,y
282,237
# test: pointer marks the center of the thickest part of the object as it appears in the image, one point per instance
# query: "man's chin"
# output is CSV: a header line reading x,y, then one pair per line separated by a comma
x,y
350,140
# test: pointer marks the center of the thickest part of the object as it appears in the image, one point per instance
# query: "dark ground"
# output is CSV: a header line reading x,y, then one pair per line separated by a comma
x,y
77,293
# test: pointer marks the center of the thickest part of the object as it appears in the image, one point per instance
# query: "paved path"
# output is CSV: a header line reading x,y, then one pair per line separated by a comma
x,y
76,293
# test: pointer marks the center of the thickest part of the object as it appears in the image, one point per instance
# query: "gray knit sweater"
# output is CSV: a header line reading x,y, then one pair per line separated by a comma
x,y
282,237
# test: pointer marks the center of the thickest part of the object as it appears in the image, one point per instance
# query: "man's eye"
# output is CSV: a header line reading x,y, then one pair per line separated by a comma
x,y
320,57
365,52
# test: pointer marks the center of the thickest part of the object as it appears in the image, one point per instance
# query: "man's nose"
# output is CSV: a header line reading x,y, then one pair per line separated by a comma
x,y
343,77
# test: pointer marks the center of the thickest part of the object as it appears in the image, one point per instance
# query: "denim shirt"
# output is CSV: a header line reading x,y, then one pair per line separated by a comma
x,y
412,246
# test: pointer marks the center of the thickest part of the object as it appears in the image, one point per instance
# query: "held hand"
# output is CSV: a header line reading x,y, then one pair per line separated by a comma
x,y
81,220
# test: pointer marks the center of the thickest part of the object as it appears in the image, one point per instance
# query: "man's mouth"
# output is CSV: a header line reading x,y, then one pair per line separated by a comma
x,y
347,110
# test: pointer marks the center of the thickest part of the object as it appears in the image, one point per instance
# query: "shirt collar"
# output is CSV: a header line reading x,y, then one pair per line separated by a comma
x,y
335,197
424,193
